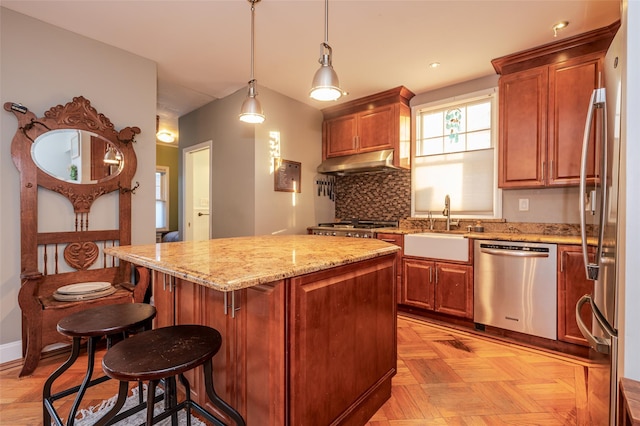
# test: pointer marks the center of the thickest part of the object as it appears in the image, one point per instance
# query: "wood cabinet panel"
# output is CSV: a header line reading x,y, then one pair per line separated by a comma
x,y
340,136
570,86
163,299
454,290
397,239
343,334
376,129
419,284
572,285
523,118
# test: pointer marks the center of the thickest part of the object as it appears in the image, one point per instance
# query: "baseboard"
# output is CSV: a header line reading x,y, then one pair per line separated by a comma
x,y
10,351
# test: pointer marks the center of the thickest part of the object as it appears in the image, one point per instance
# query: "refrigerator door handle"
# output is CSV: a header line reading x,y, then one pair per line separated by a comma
x,y
597,343
597,101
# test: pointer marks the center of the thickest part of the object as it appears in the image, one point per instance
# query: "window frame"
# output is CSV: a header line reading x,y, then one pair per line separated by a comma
x,y
164,171
465,98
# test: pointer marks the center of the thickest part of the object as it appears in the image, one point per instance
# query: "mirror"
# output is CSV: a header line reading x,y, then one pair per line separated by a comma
x,y
77,156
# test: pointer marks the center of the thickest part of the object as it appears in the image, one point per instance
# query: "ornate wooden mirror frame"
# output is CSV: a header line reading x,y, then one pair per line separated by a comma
x,y
80,248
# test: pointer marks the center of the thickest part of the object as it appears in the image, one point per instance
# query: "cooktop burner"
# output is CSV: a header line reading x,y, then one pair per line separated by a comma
x,y
360,224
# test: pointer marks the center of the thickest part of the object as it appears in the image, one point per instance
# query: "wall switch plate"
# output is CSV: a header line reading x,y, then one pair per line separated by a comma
x,y
523,204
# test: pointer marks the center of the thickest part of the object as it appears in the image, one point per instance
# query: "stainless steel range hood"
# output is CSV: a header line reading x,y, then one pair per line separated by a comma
x,y
376,161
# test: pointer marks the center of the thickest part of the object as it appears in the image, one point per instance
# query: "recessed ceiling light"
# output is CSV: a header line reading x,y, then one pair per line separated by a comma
x,y
434,64
559,26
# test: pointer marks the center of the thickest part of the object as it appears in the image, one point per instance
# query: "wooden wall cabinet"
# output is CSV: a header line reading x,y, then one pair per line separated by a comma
x,y
377,122
572,285
544,100
438,286
397,239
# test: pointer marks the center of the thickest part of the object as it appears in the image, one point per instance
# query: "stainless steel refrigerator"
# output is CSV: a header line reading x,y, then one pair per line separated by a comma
x,y
599,229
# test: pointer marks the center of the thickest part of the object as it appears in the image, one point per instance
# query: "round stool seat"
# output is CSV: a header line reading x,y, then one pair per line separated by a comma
x,y
160,353
106,320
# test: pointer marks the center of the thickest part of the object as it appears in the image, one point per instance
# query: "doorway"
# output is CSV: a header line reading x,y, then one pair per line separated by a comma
x,y
197,206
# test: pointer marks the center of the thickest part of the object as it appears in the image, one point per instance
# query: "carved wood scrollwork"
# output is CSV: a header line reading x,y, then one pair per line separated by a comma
x,y
81,255
80,114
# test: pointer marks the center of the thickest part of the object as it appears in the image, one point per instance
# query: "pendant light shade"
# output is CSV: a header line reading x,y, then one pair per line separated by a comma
x,y
111,157
251,110
325,85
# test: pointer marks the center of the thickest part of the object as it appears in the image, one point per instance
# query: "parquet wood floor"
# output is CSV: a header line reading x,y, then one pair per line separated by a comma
x,y
445,377
449,377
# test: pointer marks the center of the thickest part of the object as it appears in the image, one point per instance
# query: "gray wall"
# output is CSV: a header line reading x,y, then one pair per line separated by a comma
x,y
43,66
244,201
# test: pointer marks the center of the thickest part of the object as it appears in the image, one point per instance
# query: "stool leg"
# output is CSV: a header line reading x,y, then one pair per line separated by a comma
x,y
187,389
123,391
151,394
217,401
46,391
91,345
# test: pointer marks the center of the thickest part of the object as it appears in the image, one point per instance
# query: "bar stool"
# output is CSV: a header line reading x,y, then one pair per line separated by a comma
x,y
163,354
112,321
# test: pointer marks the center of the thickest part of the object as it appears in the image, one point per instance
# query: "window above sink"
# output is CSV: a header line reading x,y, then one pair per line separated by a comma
x,y
455,154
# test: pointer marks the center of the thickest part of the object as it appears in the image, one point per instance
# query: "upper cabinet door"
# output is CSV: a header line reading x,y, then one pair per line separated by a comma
x,y
376,129
570,86
523,121
340,135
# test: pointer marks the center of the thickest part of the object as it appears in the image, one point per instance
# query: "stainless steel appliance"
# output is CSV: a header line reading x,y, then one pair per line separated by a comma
x,y
352,228
599,208
515,286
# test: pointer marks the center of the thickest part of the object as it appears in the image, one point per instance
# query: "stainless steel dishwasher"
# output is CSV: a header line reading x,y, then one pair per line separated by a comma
x,y
515,286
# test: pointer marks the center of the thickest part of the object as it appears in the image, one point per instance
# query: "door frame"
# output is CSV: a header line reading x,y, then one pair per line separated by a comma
x,y
186,171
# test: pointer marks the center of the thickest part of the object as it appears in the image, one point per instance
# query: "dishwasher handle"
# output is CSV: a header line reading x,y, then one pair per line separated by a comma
x,y
513,253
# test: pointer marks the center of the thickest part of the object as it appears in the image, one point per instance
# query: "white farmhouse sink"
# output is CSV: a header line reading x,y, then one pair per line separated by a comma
x,y
437,246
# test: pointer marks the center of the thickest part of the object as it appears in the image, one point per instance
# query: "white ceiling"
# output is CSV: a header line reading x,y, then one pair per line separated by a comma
x,y
202,47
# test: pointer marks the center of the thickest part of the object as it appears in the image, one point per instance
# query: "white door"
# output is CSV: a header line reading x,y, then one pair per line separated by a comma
x,y
197,192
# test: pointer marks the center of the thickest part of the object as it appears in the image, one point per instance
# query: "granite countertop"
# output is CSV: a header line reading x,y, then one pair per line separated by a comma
x,y
228,264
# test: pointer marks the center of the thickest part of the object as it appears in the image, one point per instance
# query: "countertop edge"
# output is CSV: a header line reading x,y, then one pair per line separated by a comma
x,y
245,281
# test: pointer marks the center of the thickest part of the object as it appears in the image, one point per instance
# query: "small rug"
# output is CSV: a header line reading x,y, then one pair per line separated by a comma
x,y
88,417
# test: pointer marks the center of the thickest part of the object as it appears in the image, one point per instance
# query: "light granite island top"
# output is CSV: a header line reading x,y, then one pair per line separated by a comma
x,y
228,264
308,322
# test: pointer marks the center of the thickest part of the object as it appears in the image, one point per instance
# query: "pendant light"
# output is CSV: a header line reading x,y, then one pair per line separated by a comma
x,y
251,111
325,85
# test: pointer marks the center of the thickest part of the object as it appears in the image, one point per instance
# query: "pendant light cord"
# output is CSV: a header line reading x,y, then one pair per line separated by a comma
x,y
253,10
326,22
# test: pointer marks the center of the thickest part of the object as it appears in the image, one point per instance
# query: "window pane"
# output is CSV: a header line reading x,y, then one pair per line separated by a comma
x,y
432,125
479,116
479,140
161,216
456,144
158,185
431,146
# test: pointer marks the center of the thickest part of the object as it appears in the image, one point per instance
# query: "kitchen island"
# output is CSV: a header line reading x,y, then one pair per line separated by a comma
x,y
308,322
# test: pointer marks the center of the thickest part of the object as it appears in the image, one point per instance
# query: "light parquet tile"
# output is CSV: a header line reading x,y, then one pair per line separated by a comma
x,y
471,380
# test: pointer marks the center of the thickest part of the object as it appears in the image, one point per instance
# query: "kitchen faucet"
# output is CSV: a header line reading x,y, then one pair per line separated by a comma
x,y
447,213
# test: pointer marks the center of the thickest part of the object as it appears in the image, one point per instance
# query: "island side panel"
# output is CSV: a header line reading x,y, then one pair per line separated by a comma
x,y
342,342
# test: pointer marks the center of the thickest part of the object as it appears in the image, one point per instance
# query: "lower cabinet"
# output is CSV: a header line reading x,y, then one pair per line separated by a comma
x,y
242,375
319,348
438,286
572,285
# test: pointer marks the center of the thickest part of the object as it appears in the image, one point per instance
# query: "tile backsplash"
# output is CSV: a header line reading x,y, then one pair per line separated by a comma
x,y
374,196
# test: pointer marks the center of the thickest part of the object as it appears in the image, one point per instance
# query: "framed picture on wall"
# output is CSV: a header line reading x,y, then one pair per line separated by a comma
x,y
287,175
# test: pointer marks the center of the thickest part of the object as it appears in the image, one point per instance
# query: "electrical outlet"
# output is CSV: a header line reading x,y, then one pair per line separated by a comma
x,y
523,204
